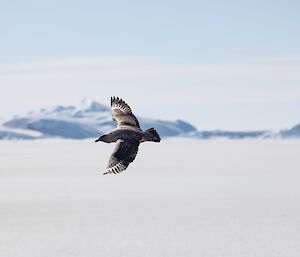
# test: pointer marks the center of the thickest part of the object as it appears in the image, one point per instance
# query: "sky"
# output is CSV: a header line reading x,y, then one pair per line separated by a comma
x,y
217,64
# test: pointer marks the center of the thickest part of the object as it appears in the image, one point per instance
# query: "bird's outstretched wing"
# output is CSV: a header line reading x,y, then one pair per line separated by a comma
x,y
123,154
122,114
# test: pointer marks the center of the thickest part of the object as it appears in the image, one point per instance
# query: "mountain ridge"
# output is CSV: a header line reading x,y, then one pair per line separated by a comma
x,y
87,120
90,119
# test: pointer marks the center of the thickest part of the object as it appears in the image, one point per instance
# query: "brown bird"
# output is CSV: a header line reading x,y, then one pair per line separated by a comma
x,y
128,135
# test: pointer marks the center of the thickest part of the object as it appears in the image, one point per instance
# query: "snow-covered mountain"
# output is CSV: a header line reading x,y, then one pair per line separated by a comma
x,y
293,132
88,120
8,135
233,134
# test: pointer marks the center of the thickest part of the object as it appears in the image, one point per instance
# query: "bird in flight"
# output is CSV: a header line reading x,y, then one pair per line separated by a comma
x,y
128,135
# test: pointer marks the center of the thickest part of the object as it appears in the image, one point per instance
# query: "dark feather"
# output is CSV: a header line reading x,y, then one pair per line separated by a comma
x,y
123,154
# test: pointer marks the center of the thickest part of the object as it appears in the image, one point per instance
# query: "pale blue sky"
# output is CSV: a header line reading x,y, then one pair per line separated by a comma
x,y
217,64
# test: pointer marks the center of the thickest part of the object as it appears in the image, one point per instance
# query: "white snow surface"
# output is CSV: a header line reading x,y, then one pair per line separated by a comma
x,y
180,198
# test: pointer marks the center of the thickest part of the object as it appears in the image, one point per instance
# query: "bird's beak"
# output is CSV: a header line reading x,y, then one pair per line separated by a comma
x,y
99,139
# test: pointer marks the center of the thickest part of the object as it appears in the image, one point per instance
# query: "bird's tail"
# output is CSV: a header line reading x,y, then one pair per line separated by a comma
x,y
151,135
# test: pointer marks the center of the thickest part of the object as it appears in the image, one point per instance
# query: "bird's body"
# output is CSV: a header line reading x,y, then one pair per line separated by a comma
x,y
128,135
124,133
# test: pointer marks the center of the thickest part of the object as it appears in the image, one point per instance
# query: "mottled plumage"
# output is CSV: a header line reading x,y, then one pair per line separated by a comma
x,y
128,135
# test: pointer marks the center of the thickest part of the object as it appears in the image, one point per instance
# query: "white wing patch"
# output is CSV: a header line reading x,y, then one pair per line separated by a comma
x,y
119,167
119,104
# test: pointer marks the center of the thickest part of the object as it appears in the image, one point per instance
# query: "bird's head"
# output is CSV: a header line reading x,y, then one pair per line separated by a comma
x,y
101,138
104,138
